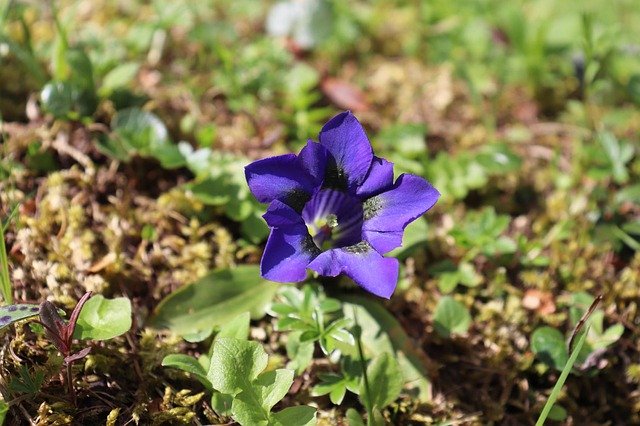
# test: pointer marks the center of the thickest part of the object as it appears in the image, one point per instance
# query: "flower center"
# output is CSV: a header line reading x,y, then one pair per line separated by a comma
x,y
334,219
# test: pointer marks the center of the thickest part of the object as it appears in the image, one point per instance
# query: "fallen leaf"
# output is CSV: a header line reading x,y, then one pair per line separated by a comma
x,y
539,301
344,94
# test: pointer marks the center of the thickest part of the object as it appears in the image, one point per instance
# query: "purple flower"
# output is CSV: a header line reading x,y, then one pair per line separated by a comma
x,y
335,208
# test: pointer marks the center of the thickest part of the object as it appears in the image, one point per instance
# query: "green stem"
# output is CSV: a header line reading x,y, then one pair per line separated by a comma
x,y
563,377
363,365
5,283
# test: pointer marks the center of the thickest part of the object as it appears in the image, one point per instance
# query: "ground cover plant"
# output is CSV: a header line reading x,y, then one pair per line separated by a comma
x,y
322,212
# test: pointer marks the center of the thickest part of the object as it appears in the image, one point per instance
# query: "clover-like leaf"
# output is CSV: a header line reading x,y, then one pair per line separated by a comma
x,y
550,346
103,319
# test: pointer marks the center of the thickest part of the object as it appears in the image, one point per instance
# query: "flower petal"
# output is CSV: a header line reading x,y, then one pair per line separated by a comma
x,y
383,242
361,263
313,159
350,150
280,215
379,178
281,177
287,254
391,211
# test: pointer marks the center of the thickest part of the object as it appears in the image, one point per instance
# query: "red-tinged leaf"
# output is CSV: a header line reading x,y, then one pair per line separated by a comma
x,y
53,324
344,94
73,319
78,355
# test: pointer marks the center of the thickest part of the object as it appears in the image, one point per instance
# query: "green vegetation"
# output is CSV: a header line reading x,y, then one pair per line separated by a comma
x,y
125,128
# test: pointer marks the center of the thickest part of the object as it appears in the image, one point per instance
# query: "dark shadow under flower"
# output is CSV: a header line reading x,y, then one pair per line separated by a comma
x,y
335,208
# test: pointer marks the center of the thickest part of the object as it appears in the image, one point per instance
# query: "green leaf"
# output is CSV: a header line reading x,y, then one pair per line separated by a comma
x,y
610,336
119,77
141,130
451,317
333,384
633,88
549,345
103,319
185,363
407,139
558,413
253,405
254,228
235,364
221,403
214,300
13,313
617,153
415,235
81,68
385,382
301,415
4,409
354,418
57,98
237,328
300,353
382,333
190,365
67,99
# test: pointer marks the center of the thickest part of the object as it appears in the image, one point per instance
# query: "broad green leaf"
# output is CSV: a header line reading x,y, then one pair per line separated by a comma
x,y
633,88
140,130
103,319
385,382
382,333
415,235
253,405
189,364
185,363
451,317
235,364
273,386
610,336
212,191
221,403
254,228
198,336
237,328
300,353
168,155
57,98
407,139
14,313
354,418
81,68
214,300
118,77
4,409
558,413
301,415
66,99
549,345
